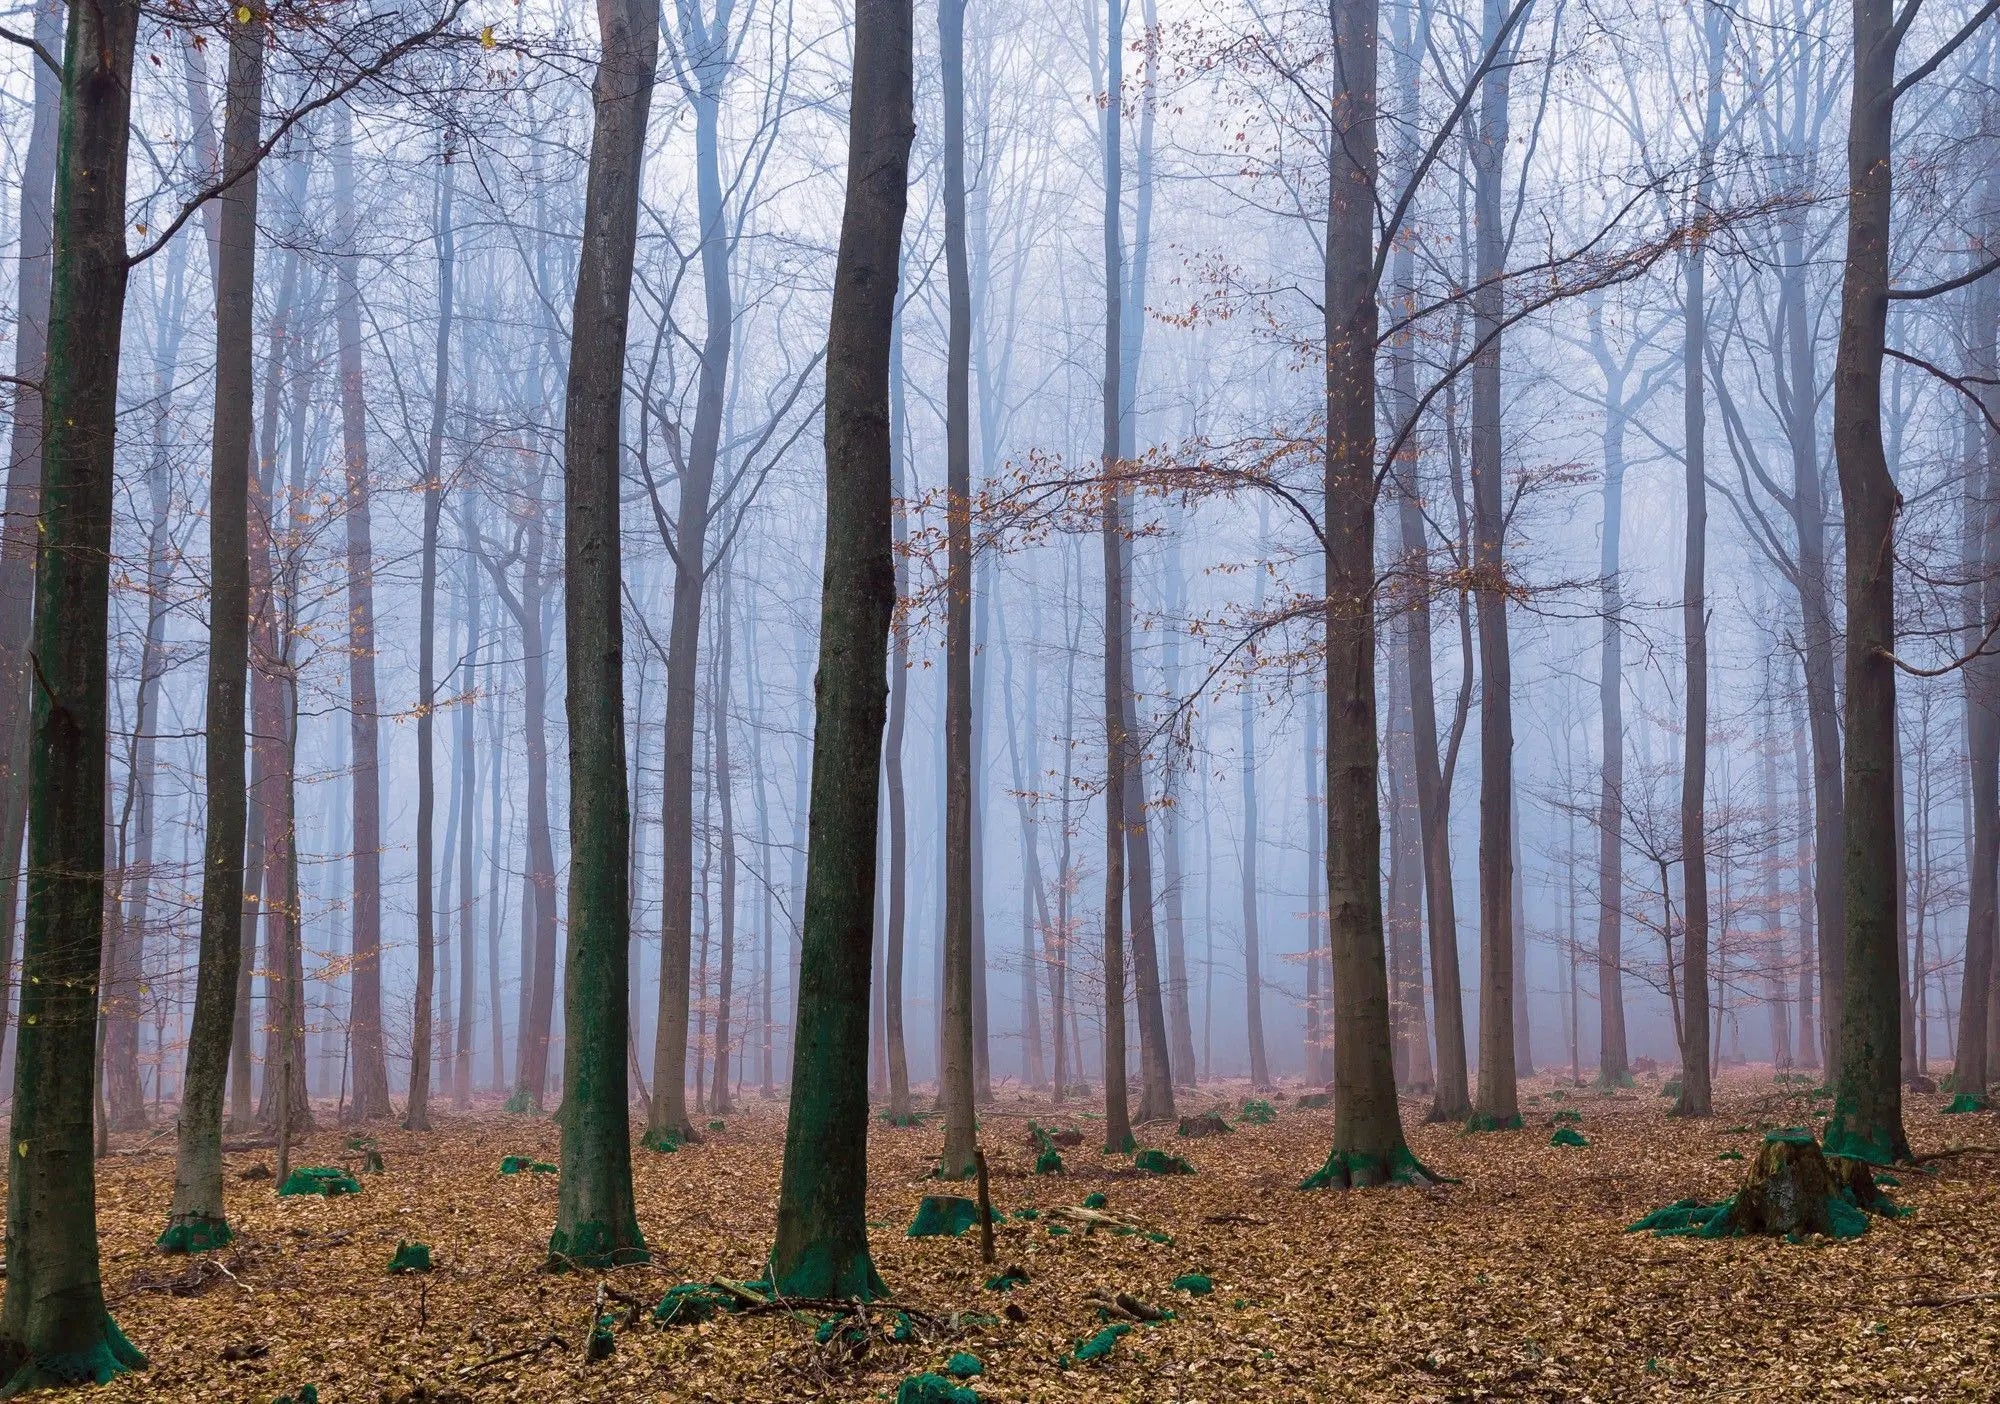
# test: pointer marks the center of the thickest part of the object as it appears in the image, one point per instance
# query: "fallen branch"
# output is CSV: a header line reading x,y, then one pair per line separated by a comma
x,y
1965,1300
1946,1154
522,1354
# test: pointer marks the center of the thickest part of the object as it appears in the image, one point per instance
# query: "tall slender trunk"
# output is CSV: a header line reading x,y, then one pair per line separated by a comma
x,y
1867,1120
596,1222
1496,1105
1180,1019
54,1328
196,1220
1405,919
821,1246
466,765
1695,1098
24,475
371,1073
708,59
1613,1055
496,782
416,1115
1253,940
1808,906
719,1100
957,1076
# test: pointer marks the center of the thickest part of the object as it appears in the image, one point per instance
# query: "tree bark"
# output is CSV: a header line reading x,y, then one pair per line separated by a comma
x,y
956,1078
596,1222
895,932
1613,1056
196,1220
364,1012
1867,1122
821,1246
1253,956
53,1324
719,1101
1496,1105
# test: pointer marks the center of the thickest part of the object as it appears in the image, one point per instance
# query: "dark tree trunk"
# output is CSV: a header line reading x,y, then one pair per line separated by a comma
x,y
416,1115
1980,596
54,1328
821,1247
1613,1056
957,1076
1368,1145
1496,1105
895,932
196,1220
596,1222
719,1101
1867,1122
24,476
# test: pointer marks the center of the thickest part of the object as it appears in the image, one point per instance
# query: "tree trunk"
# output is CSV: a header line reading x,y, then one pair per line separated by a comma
x,y
416,1115
196,1221
54,1328
1867,1122
1368,1145
1613,1056
894,935
957,1077
1808,906
719,1101
821,1247
364,1015
1496,1106
1695,1098
1180,1019
1405,917
466,765
596,1223
1253,962
24,476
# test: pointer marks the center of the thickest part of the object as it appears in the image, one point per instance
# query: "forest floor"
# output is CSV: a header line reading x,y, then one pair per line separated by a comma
x,y
1517,1283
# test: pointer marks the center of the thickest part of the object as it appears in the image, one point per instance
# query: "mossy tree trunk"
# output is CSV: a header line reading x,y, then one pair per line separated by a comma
x,y
821,1246
196,1219
596,1222
1867,1121
1368,1144
54,1328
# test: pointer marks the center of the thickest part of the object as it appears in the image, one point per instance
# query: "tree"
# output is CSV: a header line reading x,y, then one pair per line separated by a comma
x,y
1495,1106
1368,1144
821,1247
54,1328
596,1222
956,1077
196,1221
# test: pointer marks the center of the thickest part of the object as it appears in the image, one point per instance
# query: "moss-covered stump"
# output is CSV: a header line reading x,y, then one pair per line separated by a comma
x,y
516,1164
933,1389
1193,1128
1568,1136
328,1180
964,1365
195,1234
1097,1347
411,1257
1158,1162
944,1216
1967,1102
1259,1112
1793,1189
1007,1279
1195,1284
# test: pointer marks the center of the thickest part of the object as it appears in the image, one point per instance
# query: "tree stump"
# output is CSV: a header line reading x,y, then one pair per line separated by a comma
x,y
1207,1124
1793,1189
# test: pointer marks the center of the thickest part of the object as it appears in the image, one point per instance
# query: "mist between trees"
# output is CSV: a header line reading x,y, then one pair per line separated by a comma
x,y
1385,544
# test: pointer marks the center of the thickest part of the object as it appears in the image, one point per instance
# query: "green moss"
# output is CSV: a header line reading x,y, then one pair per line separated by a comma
x,y
665,1142
1097,1347
1158,1162
1124,1147
595,1247
821,1272
1608,1084
964,1365
1155,1236
411,1257
520,1104
1883,1178
1058,1231
944,1216
1027,1216
195,1235
1259,1112
1730,1155
933,1389
1683,1218
718,1126
1852,1145
1568,1136
1671,1087
603,1340
515,1164
1007,1279
1049,1162
903,1122
691,1303
1482,1122
105,1358
1095,1200
842,1327
325,1180
1366,1169
1568,1116
1966,1102
1195,1284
